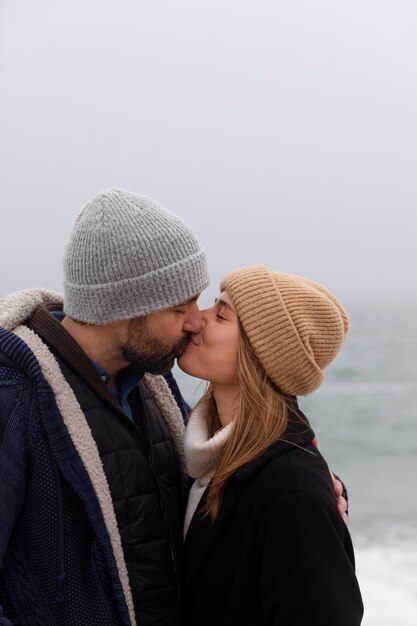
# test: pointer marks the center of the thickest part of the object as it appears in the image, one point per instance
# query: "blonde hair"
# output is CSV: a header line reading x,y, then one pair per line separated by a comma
x,y
260,418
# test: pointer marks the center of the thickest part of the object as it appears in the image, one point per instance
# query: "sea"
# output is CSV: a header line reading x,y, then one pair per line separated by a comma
x,y
365,418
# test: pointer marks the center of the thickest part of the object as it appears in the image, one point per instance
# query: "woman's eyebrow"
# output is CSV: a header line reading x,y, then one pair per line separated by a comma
x,y
221,302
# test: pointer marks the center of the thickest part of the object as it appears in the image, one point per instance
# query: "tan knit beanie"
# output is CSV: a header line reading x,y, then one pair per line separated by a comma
x,y
294,325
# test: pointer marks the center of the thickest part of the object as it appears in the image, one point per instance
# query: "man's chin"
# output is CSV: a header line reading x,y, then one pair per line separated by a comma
x,y
156,363
168,367
161,368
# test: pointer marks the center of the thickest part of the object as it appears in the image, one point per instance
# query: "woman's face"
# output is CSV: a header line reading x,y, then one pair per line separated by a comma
x,y
212,353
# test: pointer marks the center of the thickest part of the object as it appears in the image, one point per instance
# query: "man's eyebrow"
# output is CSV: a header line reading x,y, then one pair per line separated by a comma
x,y
190,301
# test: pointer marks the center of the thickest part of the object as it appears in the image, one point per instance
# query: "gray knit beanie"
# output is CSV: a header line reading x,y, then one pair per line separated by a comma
x,y
128,256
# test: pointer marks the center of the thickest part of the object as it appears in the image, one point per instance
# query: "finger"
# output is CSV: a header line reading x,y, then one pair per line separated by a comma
x,y
342,504
337,485
344,517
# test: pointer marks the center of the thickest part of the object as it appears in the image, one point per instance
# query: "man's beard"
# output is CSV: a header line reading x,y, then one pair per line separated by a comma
x,y
148,353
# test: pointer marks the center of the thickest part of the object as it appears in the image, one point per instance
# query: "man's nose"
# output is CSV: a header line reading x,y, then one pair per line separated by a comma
x,y
193,323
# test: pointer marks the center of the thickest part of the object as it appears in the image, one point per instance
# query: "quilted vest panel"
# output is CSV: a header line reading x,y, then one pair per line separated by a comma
x,y
143,473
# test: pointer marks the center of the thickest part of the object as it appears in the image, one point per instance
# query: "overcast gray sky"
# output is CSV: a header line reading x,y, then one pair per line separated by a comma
x,y
284,132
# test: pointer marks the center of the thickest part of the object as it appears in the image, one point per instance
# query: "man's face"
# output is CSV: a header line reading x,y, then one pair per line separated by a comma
x,y
153,342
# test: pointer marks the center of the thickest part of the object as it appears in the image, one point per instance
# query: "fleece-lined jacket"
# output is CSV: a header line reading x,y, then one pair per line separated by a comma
x,y
72,550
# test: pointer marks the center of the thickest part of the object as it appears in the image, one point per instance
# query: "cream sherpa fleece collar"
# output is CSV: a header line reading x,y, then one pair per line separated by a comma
x,y
18,306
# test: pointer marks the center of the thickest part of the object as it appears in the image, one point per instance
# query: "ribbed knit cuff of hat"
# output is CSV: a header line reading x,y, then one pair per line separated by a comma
x,y
137,296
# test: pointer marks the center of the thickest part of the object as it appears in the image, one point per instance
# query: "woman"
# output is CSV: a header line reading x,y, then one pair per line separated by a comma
x,y
265,544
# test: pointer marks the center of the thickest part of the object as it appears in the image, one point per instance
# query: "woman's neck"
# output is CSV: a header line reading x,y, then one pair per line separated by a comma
x,y
225,397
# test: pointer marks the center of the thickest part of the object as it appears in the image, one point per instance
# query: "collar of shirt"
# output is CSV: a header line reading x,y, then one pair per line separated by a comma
x,y
126,379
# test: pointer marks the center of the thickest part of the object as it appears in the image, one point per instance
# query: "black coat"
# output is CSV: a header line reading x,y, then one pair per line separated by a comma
x,y
279,553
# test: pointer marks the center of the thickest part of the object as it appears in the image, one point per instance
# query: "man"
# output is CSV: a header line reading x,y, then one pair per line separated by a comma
x,y
90,446
90,478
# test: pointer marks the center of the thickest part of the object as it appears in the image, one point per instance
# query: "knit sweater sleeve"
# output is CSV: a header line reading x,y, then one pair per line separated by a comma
x,y
307,566
14,406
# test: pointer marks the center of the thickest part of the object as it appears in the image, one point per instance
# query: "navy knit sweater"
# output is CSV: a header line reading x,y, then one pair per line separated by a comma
x,y
44,579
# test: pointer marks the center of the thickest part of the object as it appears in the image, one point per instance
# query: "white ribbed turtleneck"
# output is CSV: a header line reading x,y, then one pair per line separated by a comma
x,y
202,455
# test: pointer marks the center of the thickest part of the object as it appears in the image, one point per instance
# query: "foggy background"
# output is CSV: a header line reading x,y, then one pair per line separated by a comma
x,y
283,132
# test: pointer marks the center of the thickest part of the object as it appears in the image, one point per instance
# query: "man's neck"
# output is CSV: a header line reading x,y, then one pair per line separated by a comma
x,y
100,343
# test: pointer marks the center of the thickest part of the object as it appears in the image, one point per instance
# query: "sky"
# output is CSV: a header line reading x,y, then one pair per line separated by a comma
x,y
283,131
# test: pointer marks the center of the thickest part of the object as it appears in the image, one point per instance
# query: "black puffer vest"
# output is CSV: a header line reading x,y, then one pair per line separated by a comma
x,y
143,473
